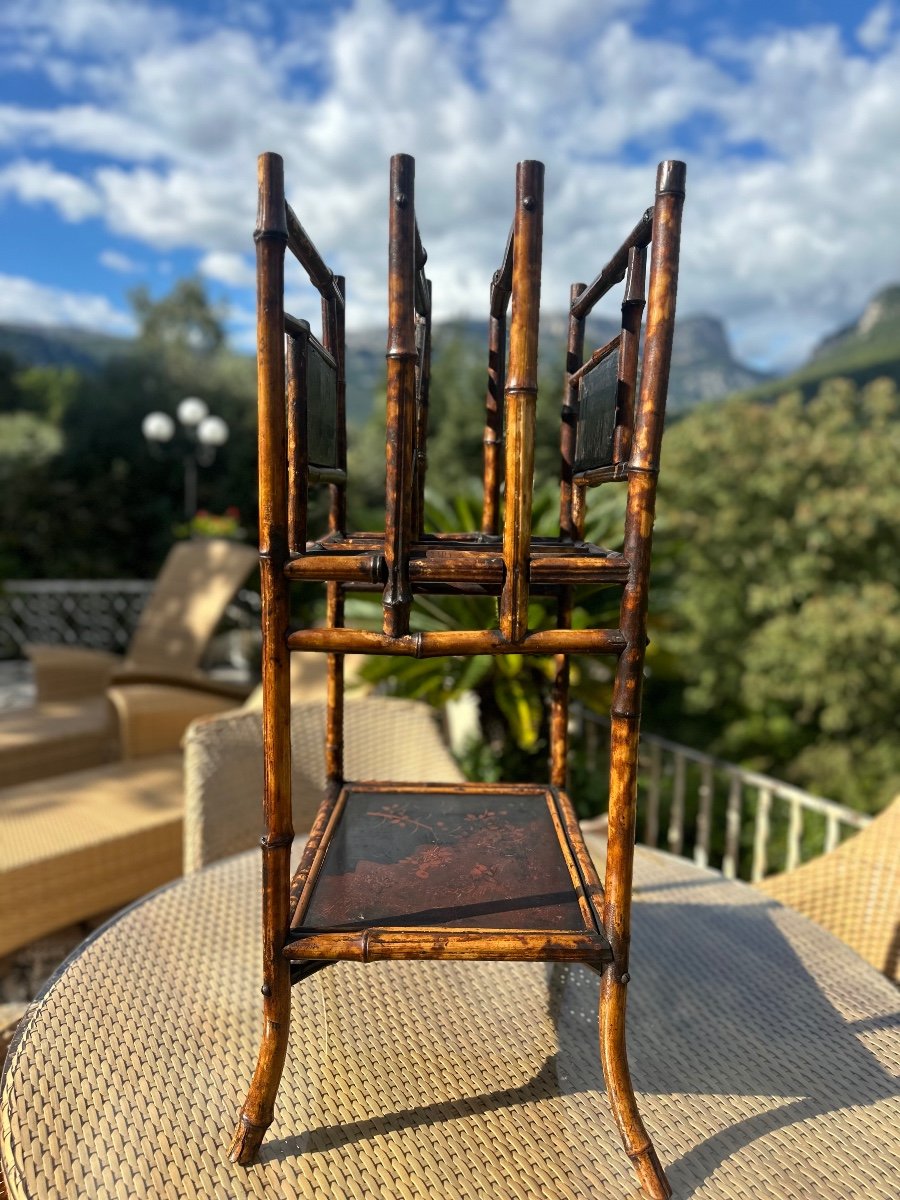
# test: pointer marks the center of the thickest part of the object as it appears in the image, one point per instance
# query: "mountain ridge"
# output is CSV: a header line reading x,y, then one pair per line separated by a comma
x,y
704,367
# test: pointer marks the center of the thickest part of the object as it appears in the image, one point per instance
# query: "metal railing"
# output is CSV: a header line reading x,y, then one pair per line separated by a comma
x,y
697,806
98,613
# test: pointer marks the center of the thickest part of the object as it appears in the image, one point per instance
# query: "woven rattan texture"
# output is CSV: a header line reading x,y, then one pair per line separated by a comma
x,y
765,1054
86,843
53,739
854,892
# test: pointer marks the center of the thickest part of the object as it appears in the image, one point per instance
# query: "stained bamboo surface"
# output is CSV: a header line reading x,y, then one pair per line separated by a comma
x,y
401,394
520,396
358,893
271,239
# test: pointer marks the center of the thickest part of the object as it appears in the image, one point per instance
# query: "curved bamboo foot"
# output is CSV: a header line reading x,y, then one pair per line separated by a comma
x,y
614,1057
259,1107
246,1141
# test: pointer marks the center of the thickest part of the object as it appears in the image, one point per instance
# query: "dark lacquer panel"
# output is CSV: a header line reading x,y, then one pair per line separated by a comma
x,y
597,415
406,858
321,422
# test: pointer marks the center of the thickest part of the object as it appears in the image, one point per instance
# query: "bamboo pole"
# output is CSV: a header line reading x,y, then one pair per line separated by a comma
x,y
271,238
447,944
614,271
568,432
569,425
493,424
452,567
501,284
520,398
443,642
401,399
301,246
596,358
638,536
423,384
334,340
333,331
626,707
297,443
632,312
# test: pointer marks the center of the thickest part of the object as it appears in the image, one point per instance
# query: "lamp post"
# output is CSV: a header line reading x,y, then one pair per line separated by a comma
x,y
203,432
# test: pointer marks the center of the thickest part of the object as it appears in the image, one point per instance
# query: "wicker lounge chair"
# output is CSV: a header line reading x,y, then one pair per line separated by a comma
x,y
107,835
854,891
73,726
76,845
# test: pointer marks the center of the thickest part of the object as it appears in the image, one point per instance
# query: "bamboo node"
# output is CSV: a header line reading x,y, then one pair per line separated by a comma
x,y
276,843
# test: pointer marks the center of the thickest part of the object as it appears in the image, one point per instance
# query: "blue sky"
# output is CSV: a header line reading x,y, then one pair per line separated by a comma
x,y
129,132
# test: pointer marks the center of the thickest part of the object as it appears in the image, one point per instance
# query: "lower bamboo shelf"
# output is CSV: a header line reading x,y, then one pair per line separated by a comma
x,y
447,871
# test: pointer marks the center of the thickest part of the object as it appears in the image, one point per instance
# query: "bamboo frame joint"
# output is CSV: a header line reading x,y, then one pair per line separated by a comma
x,y
271,235
276,843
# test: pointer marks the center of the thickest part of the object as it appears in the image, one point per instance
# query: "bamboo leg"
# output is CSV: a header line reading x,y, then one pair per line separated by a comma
x,y
614,1057
626,707
258,1109
613,989
271,237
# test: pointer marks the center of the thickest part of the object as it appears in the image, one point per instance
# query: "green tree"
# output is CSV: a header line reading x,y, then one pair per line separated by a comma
x,y
183,324
782,521
107,503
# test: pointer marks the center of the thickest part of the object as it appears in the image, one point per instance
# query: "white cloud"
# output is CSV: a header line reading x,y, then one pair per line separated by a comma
x,y
105,27
116,261
24,302
875,31
228,268
35,182
785,239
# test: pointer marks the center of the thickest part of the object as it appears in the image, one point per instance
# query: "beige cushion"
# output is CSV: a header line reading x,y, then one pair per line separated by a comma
x,y
309,679
52,739
84,843
153,717
67,672
196,582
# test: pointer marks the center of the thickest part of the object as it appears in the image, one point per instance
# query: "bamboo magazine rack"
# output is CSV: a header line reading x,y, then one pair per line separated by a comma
x,y
459,871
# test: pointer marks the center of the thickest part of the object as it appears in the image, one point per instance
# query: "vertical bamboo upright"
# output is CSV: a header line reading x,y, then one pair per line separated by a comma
x,y
401,394
626,705
271,239
568,532
520,397
607,436
333,328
